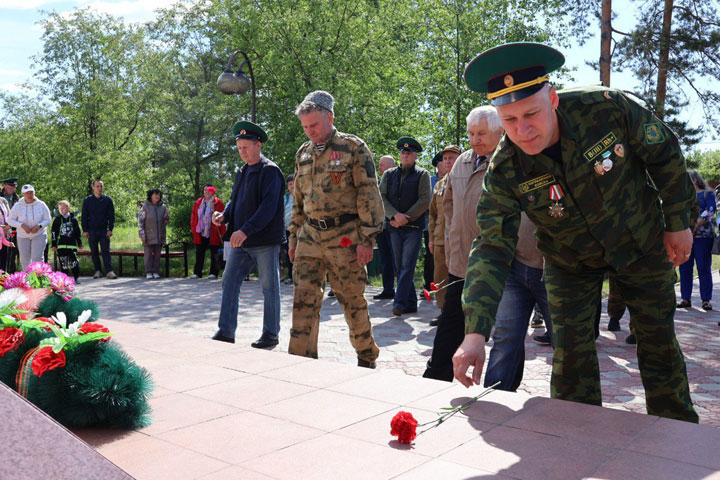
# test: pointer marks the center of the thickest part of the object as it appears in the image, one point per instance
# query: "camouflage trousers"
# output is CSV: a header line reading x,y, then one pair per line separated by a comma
x,y
649,293
440,273
347,280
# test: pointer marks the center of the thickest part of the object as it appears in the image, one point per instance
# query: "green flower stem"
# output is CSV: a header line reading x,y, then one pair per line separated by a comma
x,y
454,410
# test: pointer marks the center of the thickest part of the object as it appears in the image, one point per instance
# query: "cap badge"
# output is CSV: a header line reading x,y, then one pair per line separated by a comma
x,y
406,145
509,81
242,132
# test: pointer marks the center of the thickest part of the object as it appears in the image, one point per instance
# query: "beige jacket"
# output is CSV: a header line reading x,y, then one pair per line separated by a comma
x,y
436,222
463,190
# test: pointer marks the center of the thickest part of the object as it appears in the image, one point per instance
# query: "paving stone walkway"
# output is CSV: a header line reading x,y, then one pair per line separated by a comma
x,y
192,306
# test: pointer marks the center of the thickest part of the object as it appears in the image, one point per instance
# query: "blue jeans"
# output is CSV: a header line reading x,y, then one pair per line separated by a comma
x,y
93,239
523,289
240,263
701,255
406,248
387,263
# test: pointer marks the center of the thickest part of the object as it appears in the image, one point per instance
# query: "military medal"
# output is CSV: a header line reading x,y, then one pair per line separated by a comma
x,y
599,168
619,150
556,210
607,164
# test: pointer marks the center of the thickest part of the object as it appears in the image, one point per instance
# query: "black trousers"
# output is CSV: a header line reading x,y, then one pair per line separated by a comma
x,y
200,250
428,262
449,335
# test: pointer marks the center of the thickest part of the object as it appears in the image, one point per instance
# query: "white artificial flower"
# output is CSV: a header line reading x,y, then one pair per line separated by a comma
x,y
60,319
14,296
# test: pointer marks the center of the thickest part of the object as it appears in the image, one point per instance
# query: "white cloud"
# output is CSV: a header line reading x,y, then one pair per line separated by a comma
x,y
26,4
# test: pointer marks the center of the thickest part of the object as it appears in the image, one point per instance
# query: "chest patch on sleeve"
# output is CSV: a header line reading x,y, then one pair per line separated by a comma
x,y
536,183
593,152
653,133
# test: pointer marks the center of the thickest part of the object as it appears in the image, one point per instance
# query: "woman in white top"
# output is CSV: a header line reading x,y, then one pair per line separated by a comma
x,y
30,216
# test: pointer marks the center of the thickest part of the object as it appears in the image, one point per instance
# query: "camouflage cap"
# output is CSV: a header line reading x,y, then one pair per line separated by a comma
x,y
439,156
322,99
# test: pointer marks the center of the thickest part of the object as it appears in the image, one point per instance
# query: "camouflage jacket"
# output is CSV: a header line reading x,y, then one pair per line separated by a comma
x,y
339,180
610,217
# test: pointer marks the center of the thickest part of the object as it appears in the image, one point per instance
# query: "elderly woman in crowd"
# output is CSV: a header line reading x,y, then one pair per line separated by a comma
x,y
152,221
703,235
30,216
205,234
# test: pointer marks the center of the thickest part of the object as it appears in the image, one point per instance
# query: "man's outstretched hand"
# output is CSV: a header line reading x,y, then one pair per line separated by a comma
x,y
471,353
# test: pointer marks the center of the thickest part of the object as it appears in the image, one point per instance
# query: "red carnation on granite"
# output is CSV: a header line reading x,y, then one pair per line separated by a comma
x,y
45,359
10,339
345,242
403,426
94,327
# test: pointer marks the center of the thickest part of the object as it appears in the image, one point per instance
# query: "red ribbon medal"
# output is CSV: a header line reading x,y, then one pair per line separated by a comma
x,y
556,210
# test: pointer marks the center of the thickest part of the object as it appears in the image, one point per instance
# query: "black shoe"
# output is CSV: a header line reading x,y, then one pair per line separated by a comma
x,y
366,364
706,306
684,304
265,341
542,339
410,310
219,336
397,311
435,321
631,340
331,293
384,295
614,325
536,322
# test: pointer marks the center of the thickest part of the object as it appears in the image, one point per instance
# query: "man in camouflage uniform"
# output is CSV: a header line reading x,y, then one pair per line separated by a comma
x,y
589,167
436,223
336,215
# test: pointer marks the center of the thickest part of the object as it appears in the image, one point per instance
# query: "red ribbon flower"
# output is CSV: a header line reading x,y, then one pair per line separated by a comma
x,y
94,327
427,295
403,426
434,286
45,359
10,339
345,242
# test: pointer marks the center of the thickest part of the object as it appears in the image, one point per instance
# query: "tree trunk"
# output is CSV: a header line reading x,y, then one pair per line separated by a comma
x,y
605,42
664,60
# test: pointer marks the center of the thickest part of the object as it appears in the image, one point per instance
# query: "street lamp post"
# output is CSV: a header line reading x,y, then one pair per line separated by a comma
x,y
237,83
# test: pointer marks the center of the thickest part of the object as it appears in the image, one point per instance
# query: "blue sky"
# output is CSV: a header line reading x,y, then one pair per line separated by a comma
x,y
20,40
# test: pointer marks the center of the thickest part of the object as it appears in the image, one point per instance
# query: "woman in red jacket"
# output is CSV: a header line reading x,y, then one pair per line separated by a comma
x,y
205,234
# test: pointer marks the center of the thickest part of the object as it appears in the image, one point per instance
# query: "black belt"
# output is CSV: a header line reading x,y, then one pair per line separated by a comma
x,y
325,223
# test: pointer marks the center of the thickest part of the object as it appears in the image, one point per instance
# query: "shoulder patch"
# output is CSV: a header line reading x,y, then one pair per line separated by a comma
x,y
653,133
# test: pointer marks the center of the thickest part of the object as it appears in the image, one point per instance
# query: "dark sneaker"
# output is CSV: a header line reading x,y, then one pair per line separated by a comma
x,y
265,341
384,296
366,363
614,325
435,321
397,311
706,306
222,338
684,304
537,321
631,340
542,339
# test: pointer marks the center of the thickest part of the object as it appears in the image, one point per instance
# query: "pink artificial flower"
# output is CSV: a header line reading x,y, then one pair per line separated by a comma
x,y
16,280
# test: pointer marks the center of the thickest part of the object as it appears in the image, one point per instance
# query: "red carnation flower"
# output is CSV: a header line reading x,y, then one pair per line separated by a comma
x,y
45,359
345,242
427,295
403,426
10,339
94,327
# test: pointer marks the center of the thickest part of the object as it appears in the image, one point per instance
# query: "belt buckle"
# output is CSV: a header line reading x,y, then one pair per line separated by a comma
x,y
322,224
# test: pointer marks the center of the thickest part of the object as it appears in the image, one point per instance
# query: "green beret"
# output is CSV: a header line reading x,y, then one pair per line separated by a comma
x,y
513,71
249,131
408,144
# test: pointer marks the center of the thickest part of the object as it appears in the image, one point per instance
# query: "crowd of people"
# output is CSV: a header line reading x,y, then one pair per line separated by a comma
x,y
551,198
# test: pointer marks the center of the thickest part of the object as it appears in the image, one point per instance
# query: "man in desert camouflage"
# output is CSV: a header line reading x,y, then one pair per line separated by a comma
x,y
605,182
336,215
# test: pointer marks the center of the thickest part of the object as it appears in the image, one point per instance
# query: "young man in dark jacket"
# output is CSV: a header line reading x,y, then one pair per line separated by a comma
x,y
255,217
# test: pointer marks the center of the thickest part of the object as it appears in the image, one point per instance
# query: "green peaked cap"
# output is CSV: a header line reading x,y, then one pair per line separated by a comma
x,y
410,143
249,131
513,71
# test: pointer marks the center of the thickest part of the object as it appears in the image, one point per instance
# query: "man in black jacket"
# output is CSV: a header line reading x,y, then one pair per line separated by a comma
x,y
255,216
98,221
406,196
